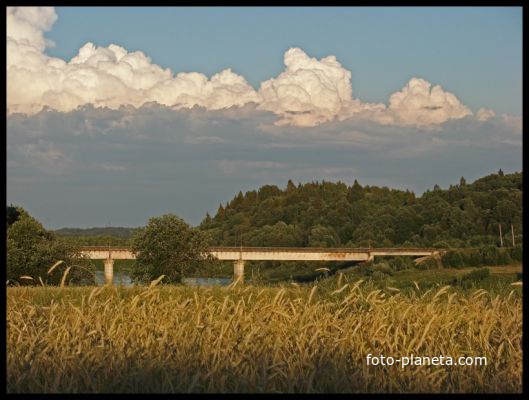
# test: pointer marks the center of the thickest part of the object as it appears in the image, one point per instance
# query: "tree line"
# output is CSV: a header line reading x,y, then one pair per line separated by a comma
x,y
327,214
465,218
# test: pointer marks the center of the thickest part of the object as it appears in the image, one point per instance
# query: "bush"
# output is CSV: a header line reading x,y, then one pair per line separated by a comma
x,y
366,269
383,268
454,259
517,253
456,243
467,280
379,276
441,245
493,255
486,255
477,275
400,263
429,263
473,258
504,256
32,250
12,215
481,240
489,255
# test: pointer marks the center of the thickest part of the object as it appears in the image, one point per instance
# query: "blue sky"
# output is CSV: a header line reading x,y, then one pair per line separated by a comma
x,y
475,52
111,138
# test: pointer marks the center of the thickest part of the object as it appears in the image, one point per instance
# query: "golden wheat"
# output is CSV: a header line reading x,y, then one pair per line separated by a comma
x,y
259,339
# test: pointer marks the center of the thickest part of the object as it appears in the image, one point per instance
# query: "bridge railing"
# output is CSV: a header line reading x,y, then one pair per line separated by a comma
x,y
104,248
287,249
326,249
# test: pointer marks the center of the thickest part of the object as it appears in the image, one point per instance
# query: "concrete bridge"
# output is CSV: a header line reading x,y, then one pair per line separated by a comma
x,y
241,254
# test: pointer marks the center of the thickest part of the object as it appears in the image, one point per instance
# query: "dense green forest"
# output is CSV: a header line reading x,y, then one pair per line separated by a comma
x,y
327,214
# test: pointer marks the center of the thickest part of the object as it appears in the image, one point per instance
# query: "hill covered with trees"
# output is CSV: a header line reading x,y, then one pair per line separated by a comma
x,y
327,214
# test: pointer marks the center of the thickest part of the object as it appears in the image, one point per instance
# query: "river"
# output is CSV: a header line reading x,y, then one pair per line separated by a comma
x,y
122,279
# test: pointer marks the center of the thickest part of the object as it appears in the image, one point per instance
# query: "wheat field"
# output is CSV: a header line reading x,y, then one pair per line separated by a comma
x,y
259,339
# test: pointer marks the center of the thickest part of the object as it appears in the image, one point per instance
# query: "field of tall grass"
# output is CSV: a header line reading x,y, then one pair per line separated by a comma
x,y
260,339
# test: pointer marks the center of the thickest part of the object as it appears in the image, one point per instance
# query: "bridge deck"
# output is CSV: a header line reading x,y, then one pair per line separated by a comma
x,y
287,249
276,253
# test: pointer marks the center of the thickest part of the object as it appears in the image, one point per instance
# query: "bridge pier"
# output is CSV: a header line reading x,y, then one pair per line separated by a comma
x,y
109,271
238,270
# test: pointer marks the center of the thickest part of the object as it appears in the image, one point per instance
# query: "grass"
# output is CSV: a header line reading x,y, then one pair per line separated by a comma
x,y
498,282
290,338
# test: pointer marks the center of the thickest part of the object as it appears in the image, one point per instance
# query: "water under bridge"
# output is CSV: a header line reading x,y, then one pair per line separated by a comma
x,y
241,254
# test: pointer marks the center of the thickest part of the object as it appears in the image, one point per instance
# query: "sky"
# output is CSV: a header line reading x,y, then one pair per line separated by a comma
x,y
116,115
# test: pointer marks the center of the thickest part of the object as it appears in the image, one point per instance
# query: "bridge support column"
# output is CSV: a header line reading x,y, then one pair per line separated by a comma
x,y
370,257
109,271
238,271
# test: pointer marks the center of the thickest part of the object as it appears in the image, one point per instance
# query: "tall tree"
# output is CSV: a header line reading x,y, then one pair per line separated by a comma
x,y
169,246
12,214
32,250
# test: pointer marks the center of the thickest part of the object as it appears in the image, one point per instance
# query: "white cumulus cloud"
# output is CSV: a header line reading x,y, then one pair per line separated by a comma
x,y
420,104
307,93
26,25
310,92
103,76
485,114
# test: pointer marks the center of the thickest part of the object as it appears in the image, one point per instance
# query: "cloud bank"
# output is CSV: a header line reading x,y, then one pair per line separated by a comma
x,y
78,167
308,93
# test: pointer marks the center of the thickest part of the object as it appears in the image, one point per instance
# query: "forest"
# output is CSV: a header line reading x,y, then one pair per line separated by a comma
x,y
327,214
